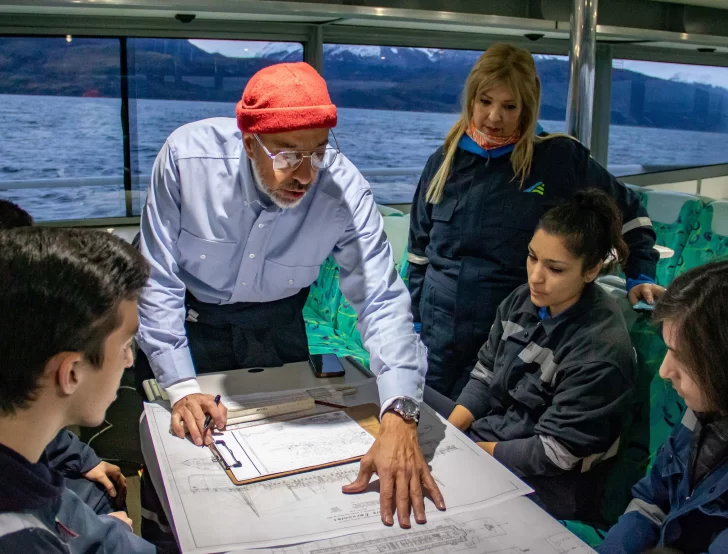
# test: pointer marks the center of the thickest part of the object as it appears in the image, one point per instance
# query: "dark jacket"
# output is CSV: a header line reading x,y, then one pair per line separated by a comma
x,y
38,514
478,234
683,502
552,393
69,456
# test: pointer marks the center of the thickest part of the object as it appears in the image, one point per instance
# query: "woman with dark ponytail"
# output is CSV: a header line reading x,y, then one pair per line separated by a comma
x,y
552,383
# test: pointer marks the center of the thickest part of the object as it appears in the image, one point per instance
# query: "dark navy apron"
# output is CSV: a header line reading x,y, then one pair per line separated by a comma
x,y
245,334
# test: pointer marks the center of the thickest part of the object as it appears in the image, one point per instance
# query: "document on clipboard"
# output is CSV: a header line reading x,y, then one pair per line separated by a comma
x,y
281,448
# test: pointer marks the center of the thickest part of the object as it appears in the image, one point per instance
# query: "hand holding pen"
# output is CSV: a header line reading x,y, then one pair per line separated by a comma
x,y
197,412
208,419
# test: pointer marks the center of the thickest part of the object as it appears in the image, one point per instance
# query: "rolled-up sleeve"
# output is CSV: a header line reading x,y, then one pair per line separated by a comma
x,y
370,282
162,334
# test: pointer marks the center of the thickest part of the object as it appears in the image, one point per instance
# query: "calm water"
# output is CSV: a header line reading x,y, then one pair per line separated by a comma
x,y
50,137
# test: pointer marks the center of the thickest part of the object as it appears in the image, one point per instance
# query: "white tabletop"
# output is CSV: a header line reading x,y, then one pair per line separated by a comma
x,y
516,514
272,379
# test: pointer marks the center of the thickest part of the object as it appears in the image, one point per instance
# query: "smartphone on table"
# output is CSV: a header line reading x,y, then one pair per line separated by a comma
x,y
326,365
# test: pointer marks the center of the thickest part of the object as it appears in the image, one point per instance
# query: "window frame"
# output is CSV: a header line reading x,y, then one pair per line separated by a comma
x,y
314,34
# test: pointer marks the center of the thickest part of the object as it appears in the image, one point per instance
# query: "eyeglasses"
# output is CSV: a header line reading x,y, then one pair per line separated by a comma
x,y
290,160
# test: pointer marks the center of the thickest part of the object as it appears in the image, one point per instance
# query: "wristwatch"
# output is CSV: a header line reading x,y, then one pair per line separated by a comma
x,y
406,408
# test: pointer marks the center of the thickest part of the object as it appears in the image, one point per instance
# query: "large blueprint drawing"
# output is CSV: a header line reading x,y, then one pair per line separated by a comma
x,y
213,515
516,526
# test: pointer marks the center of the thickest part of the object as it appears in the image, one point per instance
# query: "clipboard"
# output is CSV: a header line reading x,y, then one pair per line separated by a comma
x,y
366,415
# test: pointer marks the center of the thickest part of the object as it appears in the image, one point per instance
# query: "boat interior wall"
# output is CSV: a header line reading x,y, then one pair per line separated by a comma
x,y
710,181
720,218
674,22
666,206
716,187
684,187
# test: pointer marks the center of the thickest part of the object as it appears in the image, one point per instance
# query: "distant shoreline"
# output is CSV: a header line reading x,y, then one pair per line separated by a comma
x,y
384,110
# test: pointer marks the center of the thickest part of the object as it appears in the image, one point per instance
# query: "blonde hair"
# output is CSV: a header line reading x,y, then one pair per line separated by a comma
x,y
501,64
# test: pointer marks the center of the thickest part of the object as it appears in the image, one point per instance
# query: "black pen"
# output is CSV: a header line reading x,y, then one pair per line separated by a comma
x,y
208,419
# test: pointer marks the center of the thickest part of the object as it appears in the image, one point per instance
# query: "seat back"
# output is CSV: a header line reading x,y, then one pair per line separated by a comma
x,y
708,239
324,296
674,215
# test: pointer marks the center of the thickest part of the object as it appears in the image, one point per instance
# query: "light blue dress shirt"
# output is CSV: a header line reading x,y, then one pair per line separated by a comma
x,y
207,227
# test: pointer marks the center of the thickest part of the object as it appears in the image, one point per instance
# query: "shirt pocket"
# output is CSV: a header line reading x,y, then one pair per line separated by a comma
x,y
443,210
530,392
444,231
209,261
673,465
284,280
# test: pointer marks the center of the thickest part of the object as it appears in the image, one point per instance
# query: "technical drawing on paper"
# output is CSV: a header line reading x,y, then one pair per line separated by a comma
x,y
566,543
444,536
311,504
516,526
305,442
208,464
288,492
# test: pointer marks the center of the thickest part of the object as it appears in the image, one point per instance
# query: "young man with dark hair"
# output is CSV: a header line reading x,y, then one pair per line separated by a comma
x,y
63,354
99,484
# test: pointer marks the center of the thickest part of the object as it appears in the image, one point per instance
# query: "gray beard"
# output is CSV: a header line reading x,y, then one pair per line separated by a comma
x,y
261,185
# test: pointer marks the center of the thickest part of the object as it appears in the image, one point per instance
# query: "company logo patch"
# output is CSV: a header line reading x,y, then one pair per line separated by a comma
x,y
538,188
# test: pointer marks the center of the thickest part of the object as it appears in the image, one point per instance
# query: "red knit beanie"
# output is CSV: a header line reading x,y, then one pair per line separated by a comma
x,y
285,97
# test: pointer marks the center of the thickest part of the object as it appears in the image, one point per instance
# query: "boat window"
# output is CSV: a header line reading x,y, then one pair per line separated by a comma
x,y
667,116
63,117
177,81
397,104
61,153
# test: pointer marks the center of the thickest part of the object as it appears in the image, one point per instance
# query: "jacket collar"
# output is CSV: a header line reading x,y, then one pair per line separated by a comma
x,y
26,486
710,446
469,145
590,298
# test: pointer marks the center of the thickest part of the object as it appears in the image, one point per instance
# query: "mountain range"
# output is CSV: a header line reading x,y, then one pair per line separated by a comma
x,y
387,78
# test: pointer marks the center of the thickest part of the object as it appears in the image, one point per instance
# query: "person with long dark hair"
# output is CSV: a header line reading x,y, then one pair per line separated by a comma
x,y
681,503
552,383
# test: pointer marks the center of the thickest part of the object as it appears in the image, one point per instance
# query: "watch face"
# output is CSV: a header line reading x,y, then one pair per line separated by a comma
x,y
408,407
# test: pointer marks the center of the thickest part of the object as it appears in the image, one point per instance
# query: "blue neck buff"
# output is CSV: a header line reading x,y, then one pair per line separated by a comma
x,y
469,145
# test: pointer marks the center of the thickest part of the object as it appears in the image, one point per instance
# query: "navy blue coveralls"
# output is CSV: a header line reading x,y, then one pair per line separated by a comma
x,y
48,506
468,252
682,503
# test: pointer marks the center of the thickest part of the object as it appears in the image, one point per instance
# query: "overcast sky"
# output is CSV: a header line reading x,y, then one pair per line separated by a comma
x,y
717,76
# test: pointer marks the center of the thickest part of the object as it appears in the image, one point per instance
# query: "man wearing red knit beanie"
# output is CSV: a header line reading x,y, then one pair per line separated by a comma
x,y
239,217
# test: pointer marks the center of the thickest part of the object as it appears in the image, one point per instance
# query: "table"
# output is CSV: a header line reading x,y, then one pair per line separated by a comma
x,y
299,375
288,377
292,376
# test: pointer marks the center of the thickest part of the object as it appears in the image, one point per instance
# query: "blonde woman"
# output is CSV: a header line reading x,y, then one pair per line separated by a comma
x,y
477,205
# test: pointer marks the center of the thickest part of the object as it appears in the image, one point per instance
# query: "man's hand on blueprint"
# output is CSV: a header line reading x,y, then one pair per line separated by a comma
x,y
190,412
397,459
